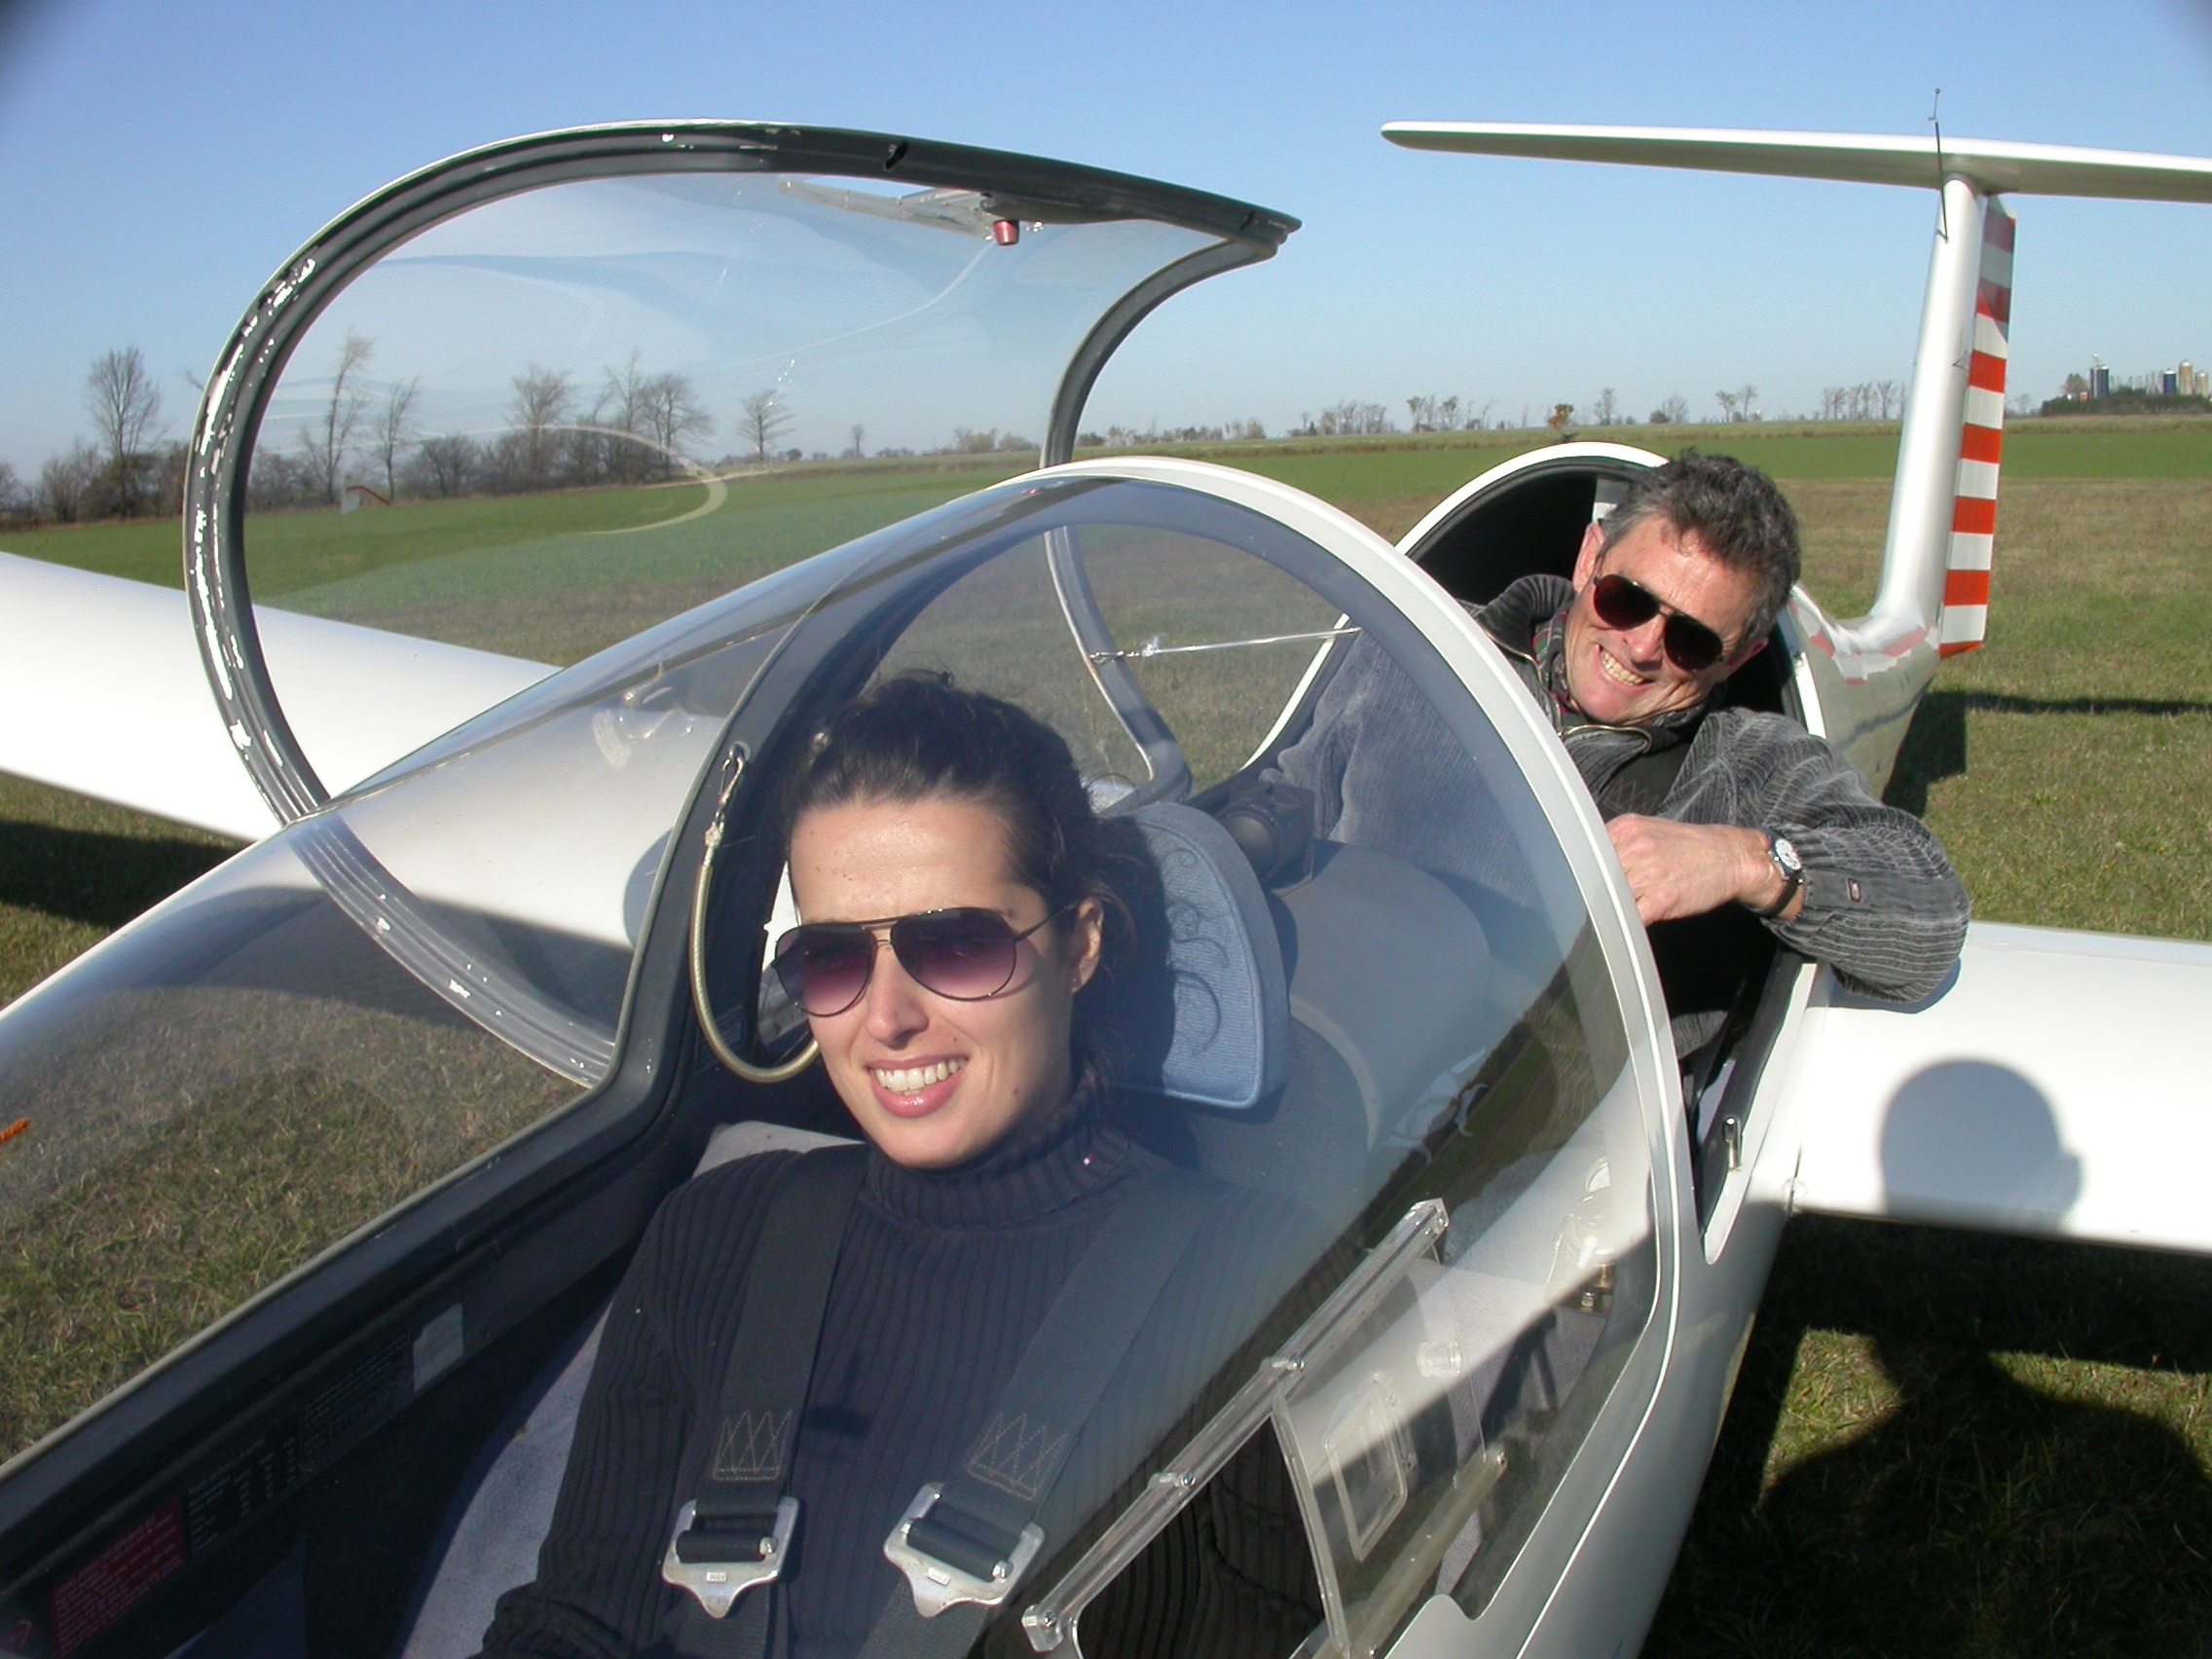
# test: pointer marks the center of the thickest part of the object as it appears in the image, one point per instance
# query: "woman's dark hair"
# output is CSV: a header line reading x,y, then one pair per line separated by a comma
x,y
920,736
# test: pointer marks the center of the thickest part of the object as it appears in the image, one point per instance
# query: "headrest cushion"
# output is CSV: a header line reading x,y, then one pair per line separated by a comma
x,y
1212,1028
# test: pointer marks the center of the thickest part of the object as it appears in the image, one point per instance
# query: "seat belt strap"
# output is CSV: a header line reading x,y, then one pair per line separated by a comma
x,y
965,1542
735,1533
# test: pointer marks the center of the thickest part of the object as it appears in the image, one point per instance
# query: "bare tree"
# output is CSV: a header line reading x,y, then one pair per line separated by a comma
x,y
447,466
326,443
1432,413
1352,417
622,403
621,409
669,413
859,446
1675,409
1891,395
124,403
395,425
1608,409
1728,404
765,421
542,401
66,481
15,498
1746,402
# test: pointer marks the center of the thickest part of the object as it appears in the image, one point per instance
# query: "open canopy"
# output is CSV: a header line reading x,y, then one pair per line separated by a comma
x,y
539,397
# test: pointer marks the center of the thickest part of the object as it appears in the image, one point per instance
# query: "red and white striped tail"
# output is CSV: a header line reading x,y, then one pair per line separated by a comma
x,y
1981,441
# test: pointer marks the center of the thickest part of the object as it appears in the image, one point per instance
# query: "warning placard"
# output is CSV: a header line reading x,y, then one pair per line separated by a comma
x,y
117,1578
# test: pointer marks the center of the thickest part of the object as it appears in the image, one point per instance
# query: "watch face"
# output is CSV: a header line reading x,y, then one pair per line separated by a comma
x,y
1787,857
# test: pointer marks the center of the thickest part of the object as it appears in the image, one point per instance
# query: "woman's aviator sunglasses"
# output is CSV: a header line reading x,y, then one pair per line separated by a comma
x,y
1691,645
967,956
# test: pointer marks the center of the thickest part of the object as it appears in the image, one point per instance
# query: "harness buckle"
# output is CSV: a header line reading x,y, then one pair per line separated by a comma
x,y
719,1562
950,1557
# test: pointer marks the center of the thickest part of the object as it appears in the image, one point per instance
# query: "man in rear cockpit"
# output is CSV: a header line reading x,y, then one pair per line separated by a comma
x,y
1712,808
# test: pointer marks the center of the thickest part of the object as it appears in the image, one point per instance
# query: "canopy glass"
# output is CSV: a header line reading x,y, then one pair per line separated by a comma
x,y
556,419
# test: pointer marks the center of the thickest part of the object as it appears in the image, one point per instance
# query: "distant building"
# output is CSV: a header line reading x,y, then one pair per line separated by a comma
x,y
2185,380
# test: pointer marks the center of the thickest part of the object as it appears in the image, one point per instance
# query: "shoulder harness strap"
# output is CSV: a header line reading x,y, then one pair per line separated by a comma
x,y
965,1542
734,1535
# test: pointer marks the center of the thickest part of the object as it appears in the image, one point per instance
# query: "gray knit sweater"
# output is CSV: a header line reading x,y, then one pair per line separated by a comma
x,y
1882,902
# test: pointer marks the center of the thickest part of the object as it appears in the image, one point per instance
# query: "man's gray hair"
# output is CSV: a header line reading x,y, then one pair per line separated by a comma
x,y
1735,511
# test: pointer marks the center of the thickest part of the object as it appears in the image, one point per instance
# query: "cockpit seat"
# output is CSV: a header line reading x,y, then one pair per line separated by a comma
x,y
1379,958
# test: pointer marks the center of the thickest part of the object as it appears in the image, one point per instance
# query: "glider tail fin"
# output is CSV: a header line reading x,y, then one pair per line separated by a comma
x,y
1982,439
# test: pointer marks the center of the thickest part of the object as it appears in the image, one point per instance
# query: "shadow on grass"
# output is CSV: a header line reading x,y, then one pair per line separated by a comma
x,y
1934,746
1980,1515
2004,703
94,877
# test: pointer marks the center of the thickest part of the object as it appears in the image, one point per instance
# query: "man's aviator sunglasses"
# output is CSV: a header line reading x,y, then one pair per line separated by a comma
x,y
966,955
1691,645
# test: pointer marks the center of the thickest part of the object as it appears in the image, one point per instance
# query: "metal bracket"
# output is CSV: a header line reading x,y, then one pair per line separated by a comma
x,y
718,1584
939,1585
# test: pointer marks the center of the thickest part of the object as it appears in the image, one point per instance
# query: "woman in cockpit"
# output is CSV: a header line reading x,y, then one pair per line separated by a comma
x,y
1005,1298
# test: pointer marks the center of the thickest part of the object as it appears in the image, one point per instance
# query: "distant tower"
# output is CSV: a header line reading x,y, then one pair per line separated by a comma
x,y
2100,379
2169,383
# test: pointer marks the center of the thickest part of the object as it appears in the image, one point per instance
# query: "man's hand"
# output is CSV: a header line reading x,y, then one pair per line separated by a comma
x,y
1687,869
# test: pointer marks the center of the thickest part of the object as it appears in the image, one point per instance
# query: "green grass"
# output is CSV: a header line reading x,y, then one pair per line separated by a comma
x,y
1942,1444
551,577
72,871
1950,1445
289,552
2063,763
556,576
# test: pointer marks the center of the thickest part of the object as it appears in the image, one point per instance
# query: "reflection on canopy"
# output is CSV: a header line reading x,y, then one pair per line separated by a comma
x,y
911,326
562,416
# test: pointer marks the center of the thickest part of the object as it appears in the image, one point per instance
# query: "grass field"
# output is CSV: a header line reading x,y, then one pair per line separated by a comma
x,y
1941,1444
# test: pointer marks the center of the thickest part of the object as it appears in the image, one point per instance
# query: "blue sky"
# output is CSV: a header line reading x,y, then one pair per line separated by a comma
x,y
159,161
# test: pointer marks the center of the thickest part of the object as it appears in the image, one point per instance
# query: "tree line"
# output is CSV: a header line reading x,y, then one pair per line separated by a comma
x,y
638,427
132,468
634,429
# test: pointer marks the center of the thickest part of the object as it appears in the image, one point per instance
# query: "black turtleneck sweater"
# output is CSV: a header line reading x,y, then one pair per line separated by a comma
x,y
942,1278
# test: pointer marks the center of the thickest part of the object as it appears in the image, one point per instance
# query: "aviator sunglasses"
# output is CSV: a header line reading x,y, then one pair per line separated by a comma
x,y
1690,645
966,955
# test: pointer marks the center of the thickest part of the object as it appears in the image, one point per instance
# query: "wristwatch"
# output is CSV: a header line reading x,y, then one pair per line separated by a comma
x,y
1787,865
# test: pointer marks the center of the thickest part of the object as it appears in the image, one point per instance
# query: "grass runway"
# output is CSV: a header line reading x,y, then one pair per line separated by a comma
x,y
1942,1444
